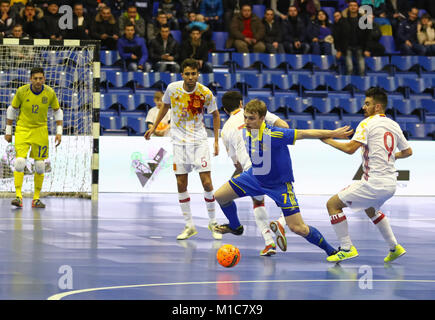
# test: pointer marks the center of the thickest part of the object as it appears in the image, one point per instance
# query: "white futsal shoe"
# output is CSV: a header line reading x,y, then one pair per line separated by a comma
x,y
216,235
189,231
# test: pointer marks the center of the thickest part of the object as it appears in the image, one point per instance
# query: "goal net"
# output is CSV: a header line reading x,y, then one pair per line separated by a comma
x,y
70,68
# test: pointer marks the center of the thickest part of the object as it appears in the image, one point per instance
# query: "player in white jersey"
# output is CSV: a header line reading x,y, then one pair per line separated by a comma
x,y
188,100
378,136
232,138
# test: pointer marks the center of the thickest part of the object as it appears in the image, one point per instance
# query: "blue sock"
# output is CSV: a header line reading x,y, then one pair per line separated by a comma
x,y
230,211
316,238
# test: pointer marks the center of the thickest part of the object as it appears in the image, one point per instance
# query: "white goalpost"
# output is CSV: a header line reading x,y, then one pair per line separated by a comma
x,y
72,69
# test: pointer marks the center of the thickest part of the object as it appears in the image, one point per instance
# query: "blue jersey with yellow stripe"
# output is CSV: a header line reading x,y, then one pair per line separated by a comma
x,y
270,156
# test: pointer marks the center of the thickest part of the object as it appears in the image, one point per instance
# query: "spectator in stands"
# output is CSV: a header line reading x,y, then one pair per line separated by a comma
x,y
105,28
6,20
144,9
164,126
320,33
247,32
213,12
116,6
154,26
338,34
31,18
133,50
355,39
133,17
426,34
279,7
170,8
307,9
378,6
196,48
188,7
164,51
273,38
17,32
407,35
51,20
81,24
191,17
294,33
373,47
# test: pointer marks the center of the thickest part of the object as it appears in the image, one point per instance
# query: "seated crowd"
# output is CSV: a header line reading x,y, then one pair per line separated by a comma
x,y
145,41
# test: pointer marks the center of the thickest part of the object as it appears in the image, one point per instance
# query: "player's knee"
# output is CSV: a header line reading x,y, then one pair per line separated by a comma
x,y
39,166
331,205
20,164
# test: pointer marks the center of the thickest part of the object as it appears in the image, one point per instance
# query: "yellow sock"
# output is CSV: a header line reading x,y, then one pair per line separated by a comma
x,y
18,179
38,179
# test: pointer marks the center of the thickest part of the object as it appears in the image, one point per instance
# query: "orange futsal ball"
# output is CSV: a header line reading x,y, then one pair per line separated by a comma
x,y
228,255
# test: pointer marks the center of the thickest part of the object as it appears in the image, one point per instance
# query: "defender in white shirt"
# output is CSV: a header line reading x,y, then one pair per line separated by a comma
x,y
378,137
188,100
231,134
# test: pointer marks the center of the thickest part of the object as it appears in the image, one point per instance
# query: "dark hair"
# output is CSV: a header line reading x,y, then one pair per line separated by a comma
x,y
191,63
379,96
195,28
231,100
164,26
327,24
36,70
129,25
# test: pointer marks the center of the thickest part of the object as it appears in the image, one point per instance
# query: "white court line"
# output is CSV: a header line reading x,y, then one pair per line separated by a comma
x,y
59,296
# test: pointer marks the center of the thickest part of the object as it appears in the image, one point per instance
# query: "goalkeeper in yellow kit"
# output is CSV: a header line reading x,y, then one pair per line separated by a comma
x,y
31,132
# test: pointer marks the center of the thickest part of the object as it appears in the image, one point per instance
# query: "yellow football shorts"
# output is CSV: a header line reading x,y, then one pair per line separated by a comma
x,y
35,139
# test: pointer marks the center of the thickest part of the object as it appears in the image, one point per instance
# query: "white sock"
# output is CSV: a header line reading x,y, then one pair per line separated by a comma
x,y
381,221
261,218
184,200
210,202
339,223
282,221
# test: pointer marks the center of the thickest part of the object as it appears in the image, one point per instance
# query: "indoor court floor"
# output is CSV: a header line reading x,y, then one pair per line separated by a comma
x,y
125,248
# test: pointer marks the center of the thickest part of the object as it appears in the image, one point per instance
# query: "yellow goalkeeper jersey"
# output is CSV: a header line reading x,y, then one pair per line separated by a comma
x,y
34,106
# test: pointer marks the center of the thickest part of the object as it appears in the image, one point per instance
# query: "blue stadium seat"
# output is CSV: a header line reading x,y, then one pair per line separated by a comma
x,y
116,78
155,8
225,80
219,58
220,39
245,60
311,82
337,82
362,83
297,104
177,35
428,63
377,63
352,105
404,106
389,44
284,81
404,63
297,61
107,101
418,85
389,83
417,130
130,101
258,10
271,60
108,57
323,62
257,80
322,104
429,106
110,121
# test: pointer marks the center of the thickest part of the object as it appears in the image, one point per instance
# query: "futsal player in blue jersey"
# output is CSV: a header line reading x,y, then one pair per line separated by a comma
x,y
271,173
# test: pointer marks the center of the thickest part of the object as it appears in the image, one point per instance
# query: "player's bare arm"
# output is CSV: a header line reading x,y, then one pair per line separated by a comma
x,y
347,147
58,116
10,117
162,112
339,133
216,127
403,154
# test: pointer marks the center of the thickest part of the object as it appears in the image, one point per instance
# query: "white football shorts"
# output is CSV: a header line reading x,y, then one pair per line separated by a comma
x,y
362,195
187,158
